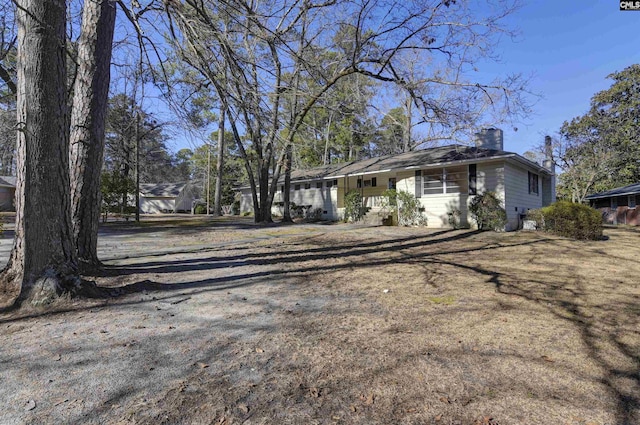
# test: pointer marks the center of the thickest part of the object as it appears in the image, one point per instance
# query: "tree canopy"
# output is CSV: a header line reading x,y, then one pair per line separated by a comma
x,y
272,63
600,150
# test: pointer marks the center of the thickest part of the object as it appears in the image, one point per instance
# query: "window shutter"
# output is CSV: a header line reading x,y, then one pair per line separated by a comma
x,y
418,183
473,188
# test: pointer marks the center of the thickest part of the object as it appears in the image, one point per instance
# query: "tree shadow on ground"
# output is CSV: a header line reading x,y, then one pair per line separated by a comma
x,y
599,326
186,225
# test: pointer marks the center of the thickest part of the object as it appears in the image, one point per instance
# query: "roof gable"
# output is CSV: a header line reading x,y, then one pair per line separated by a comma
x,y
165,190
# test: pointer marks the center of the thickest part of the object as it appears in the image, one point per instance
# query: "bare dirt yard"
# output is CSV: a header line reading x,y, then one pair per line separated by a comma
x,y
225,322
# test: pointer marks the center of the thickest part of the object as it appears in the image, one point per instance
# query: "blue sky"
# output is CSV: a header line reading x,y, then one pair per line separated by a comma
x,y
569,48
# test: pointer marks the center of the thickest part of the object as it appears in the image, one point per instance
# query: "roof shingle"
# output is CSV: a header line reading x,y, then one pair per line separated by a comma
x,y
632,189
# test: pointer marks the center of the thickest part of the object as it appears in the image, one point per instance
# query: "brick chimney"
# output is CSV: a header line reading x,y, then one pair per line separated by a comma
x,y
548,155
490,138
548,183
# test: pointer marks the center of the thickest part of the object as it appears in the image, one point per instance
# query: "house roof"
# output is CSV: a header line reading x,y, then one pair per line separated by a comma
x,y
632,189
8,181
442,155
163,190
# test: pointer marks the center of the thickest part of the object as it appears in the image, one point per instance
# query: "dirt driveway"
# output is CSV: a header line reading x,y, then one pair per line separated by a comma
x,y
228,323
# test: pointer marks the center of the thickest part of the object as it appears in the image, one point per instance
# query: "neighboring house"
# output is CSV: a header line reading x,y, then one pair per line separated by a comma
x,y
618,206
168,197
7,193
444,178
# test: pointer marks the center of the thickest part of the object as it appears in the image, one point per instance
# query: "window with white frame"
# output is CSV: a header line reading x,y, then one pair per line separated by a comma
x,y
444,180
432,182
455,179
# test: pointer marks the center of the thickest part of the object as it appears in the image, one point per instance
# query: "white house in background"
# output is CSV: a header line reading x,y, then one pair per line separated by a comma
x,y
7,193
444,179
168,197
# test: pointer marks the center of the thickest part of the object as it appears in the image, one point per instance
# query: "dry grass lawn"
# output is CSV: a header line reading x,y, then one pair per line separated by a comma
x,y
337,324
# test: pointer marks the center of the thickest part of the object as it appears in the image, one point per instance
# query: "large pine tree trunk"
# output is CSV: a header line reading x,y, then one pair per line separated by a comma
x,y
42,261
90,98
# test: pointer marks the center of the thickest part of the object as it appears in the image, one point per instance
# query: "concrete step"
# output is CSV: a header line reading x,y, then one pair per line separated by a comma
x,y
374,217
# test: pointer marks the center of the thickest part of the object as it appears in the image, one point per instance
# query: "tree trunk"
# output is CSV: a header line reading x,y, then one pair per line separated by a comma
x,y
286,215
263,186
136,132
327,134
90,95
407,126
217,201
42,262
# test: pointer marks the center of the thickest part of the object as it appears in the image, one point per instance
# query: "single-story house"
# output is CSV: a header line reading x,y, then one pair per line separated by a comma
x,y
618,206
7,193
168,197
444,179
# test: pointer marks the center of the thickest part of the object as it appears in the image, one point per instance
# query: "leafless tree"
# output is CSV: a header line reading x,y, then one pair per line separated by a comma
x,y
266,46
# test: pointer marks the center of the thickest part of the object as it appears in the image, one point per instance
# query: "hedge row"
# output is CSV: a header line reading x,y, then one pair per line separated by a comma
x,y
569,219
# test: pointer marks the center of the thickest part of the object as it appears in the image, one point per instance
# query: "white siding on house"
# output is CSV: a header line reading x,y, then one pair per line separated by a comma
x,y
490,178
436,207
406,182
184,203
316,197
519,200
187,196
150,205
325,198
246,201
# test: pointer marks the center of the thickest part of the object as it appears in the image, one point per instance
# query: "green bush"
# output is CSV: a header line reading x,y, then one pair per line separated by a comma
x,y
572,220
353,206
404,207
390,198
410,210
486,209
200,209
